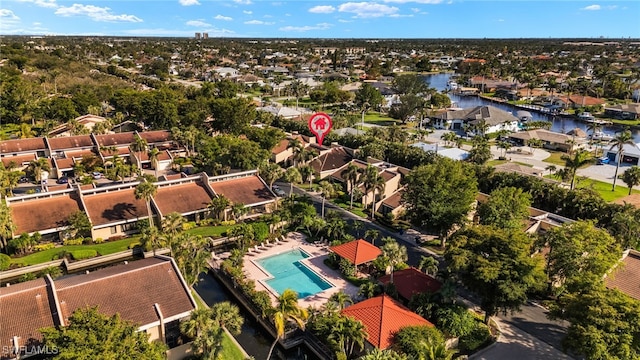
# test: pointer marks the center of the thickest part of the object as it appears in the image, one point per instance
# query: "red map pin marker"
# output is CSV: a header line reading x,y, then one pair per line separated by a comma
x,y
320,124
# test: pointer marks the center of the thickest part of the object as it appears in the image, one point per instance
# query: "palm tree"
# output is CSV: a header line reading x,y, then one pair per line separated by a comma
x,y
341,299
145,191
292,176
172,223
306,172
218,205
352,176
631,177
270,173
199,320
621,139
227,316
238,210
346,333
151,239
368,289
505,146
429,265
534,143
296,146
594,128
357,225
287,310
372,234
37,167
153,158
6,224
572,164
551,169
327,191
372,181
396,254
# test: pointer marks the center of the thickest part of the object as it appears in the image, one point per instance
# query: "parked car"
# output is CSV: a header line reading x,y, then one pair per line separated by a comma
x,y
96,175
23,180
278,191
63,180
603,160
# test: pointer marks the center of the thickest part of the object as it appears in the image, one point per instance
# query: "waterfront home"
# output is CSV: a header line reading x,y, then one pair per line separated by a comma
x,y
150,293
550,139
576,101
494,118
630,154
623,111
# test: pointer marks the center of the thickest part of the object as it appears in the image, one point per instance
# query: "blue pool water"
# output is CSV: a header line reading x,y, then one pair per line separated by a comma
x,y
289,273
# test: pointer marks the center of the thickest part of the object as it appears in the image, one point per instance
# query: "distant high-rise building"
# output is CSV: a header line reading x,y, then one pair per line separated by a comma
x,y
205,35
197,36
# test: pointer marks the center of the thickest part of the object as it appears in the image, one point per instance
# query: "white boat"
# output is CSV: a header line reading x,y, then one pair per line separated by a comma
x,y
599,135
452,85
586,116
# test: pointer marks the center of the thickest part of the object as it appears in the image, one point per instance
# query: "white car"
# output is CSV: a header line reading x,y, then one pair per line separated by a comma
x,y
96,175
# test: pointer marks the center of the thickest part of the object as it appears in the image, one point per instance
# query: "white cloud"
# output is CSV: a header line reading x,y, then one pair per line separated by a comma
x,y
413,1
95,13
592,7
367,10
223,18
36,24
198,23
248,12
322,9
345,21
321,26
189,2
243,2
400,15
8,15
258,22
43,3
500,20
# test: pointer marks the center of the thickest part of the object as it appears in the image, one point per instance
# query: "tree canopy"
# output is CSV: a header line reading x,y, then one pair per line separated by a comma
x,y
507,208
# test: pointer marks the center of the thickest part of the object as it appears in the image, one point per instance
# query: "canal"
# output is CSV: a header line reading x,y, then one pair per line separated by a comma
x,y
255,341
559,124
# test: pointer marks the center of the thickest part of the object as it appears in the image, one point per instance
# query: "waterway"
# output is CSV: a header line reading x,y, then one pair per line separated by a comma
x,y
252,338
559,123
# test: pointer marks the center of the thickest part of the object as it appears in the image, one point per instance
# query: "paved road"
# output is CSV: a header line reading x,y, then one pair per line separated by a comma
x,y
526,335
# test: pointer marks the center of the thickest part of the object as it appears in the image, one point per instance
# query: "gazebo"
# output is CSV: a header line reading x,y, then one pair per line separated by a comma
x,y
357,252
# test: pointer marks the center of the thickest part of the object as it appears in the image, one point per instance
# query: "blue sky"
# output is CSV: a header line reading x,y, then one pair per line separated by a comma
x,y
324,19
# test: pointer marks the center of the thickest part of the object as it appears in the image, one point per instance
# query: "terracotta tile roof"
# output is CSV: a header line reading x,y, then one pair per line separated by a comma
x,y
412,281
333,160
579,100
357,251
25,308
162,155
70,142
183,198
633,199
46,213
64,163
388,175
79,154
120,151
626,277
20,145
130,290
395,200
114,206
338,174
157,136
280,147
18,160
247,190
115,139
383,317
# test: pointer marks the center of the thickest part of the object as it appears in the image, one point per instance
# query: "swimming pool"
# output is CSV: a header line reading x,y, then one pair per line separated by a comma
x,y
289,273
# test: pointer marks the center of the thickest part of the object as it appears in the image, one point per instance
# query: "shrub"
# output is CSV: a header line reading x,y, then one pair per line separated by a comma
x,y
475,339
188,225
78,241
455,321
347,268
98,241
262,300
409,339
228,223
83,254
5,262
261,231
44,246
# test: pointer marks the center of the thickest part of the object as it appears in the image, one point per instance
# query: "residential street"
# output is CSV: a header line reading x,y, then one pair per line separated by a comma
x,y
526,335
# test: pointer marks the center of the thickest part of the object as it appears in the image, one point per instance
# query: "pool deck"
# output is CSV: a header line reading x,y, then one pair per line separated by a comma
x,y
315,262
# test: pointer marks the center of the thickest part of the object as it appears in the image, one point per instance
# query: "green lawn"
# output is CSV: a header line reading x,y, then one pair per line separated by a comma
x,y
51,254
604,189
213,231
229,350
357,207
201,305
379,119
496,162
555,158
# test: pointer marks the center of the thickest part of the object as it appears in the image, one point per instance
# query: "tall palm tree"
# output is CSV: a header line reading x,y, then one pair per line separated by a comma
x,y
621,139
296,146
218,205
327,191
139,146
594,128
146,191
37,167
287,310
372,181
306,172
352,176
429,265
6,224
396,254
372,234
172,223
151,239
199,320
153,158
341,299
573,163
270,173
368,289
292,176
227,316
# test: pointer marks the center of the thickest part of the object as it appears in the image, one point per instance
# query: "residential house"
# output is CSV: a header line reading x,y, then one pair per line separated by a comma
x,y
550,139
391,180
66,151
86,121
411,281
19,147
630,154
282,111
331,161
283,151
576,101
110,145
451,153
392,204
245,188
156,304
626,275
494,118
190,197
383,317
623,111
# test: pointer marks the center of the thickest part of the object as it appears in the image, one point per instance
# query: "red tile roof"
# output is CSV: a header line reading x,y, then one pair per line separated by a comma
x,y
357,251
114,206
395,200
626,277
70,142
115,139
64,163
46,213
20,145
18,160
246,190
157,136
130,290
383,317
183,198
333,160
25,308
412,281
